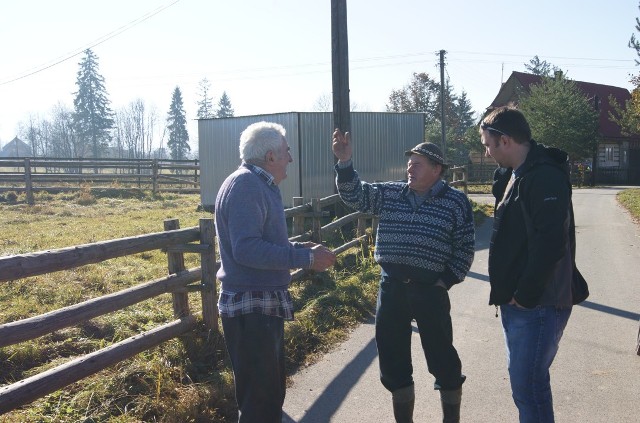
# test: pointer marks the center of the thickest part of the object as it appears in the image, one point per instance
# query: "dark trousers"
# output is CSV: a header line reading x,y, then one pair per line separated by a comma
x,y
255,343
398,304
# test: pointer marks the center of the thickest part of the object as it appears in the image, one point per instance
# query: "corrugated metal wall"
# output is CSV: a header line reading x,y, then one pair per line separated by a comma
x,y
219,141
316,158
379,141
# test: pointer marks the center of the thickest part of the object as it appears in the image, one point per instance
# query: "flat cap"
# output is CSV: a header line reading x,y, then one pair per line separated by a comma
x,y
430,150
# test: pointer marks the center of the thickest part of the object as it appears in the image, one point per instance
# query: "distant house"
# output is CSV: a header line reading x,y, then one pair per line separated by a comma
x,y
16,148
618,157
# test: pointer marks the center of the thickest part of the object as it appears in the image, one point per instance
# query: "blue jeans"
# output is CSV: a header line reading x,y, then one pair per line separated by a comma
x,y
532,338
255,343
398,304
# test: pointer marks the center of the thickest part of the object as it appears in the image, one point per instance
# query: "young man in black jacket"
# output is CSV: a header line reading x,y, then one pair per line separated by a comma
x,y
532,255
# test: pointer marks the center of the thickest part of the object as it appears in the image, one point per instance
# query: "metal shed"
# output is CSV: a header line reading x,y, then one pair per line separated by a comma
x,y
379,141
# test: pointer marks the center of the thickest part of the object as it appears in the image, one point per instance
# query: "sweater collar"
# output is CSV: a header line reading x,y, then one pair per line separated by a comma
x,y
434,191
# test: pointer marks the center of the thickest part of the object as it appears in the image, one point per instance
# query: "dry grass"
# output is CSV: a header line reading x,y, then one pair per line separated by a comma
x,y
183,380
630,200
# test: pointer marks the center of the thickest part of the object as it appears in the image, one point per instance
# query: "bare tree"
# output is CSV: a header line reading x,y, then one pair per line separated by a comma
x,y
31,131
135,126
62,135
324,103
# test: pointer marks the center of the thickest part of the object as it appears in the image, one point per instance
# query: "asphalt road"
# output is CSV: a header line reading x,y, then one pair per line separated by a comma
x,y
596,374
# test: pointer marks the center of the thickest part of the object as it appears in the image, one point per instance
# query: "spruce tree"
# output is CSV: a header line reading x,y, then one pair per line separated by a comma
x,y
92,117
627,115
541,67
178,143
205,102
224,106
634,42
561,115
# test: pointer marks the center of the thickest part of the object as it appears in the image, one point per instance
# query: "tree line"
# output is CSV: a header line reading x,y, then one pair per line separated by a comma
x,y
92,129
559,113
628,115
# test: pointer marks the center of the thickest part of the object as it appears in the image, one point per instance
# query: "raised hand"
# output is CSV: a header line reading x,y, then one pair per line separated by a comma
x,y
341,145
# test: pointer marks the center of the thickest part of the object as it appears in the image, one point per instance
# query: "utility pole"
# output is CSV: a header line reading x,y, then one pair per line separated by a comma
x,y
340,65
594,162
444,133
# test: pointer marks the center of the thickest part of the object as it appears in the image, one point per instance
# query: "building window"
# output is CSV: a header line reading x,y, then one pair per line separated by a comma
x,y
610,155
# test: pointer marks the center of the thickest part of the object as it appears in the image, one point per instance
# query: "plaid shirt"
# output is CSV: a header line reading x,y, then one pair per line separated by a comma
x,y
260,172
271,303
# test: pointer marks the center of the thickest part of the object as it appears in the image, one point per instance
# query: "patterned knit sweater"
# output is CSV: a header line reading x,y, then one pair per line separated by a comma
x,y
435,240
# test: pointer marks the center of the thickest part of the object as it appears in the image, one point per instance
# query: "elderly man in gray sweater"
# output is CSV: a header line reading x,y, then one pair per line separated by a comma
x,y
256,256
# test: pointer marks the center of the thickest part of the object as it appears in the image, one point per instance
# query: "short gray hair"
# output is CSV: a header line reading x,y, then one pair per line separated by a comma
x,y
259,138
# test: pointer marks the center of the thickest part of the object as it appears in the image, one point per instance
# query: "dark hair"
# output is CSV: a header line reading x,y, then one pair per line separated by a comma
x,y
507,121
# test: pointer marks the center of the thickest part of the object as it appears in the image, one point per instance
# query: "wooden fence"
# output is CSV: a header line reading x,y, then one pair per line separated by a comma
x,y
459,177
52,174
180,281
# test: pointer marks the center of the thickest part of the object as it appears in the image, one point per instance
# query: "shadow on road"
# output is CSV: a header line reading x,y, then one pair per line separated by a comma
x,y
330,400
611,310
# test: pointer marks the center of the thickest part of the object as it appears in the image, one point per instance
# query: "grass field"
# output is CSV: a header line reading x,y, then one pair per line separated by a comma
x,y
183,380
186,379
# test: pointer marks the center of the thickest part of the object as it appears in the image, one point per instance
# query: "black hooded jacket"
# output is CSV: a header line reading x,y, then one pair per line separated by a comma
x,y
535,268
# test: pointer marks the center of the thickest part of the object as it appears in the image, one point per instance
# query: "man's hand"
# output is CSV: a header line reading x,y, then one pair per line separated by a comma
x,y
515,303
323,258
341,145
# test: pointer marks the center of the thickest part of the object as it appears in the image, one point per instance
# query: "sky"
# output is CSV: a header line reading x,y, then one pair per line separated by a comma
x,y
273,56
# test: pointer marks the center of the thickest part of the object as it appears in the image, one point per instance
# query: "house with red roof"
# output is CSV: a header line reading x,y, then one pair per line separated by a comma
x,y
618,157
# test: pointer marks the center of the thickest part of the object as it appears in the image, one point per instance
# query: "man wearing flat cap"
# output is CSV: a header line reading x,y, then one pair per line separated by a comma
x,y
424,246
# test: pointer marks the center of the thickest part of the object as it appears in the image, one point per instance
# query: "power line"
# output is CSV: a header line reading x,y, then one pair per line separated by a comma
x,y
542,57
94,43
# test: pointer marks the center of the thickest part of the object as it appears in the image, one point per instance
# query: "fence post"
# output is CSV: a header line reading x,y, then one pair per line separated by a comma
x,y
209,269
195,171
298,219
465,179
362,230
374,226
316,222
27,181
154,177
176,265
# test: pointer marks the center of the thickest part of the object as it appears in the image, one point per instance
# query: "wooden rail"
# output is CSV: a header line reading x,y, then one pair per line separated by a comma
x,y
180,281
34,387
37,173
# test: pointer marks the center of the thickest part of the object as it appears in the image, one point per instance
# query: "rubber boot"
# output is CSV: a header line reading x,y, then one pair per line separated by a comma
x,y
451,405
403,401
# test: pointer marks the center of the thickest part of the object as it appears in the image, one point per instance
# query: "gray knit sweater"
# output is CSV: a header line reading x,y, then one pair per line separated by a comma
x,y
255,251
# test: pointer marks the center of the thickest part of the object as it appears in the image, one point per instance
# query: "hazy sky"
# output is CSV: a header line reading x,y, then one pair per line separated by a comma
x,y
275,55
